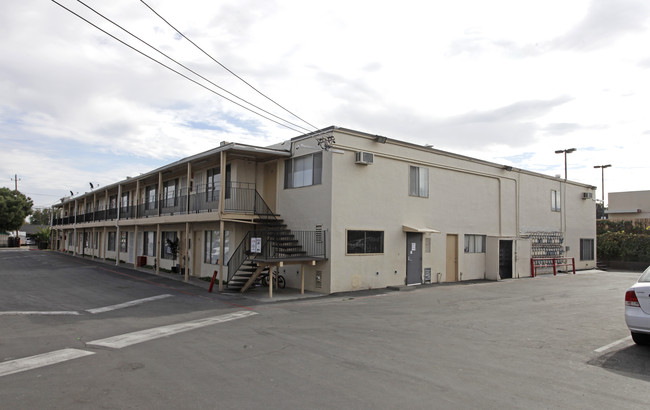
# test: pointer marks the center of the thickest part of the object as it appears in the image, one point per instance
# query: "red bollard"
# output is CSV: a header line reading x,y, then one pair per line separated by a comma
x,y
214,277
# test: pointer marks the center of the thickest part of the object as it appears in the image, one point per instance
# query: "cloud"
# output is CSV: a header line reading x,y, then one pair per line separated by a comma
x,y
606,21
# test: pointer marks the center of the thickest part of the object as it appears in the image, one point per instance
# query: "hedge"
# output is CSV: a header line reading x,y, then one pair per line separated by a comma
x,y
626,241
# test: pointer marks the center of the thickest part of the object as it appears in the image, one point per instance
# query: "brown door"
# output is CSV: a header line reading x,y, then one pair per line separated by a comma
x,y
452,259
270,184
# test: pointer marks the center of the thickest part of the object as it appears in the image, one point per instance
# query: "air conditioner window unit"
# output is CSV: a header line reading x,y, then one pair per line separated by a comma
x,y
364,158
587,195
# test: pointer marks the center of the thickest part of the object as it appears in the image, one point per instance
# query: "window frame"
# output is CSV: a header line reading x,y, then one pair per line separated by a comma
x,y
110,241
211,252
365,239
170,196
418,187
165,251
315,171
149,243
556,200
591,254
151,197
472,240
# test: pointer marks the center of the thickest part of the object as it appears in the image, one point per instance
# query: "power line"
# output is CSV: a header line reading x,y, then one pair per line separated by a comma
x,y
187,68
224,67
171,69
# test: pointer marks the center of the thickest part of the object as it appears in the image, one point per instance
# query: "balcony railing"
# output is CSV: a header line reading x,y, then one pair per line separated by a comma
x,y
239,198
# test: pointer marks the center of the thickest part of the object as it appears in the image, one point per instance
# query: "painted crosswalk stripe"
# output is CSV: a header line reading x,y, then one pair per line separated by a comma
x,y
128,339
127,304
28,312
45,359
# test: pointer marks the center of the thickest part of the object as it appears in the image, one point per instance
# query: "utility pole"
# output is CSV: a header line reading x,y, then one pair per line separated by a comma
x,y
15,179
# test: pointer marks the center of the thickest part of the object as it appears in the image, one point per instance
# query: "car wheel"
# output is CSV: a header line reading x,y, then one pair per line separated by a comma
x,y
641,338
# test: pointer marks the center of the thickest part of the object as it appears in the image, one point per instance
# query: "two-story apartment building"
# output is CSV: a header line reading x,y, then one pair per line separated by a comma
x,y
334,210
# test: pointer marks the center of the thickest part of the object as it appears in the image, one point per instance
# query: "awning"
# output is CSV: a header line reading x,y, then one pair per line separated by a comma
x,y
406,228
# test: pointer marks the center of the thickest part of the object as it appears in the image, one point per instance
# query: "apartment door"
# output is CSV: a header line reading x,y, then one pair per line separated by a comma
x,y
452,259
505,259
413,258
270,184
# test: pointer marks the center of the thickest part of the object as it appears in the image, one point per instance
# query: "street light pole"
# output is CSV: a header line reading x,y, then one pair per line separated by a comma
x,y
565,151
602,170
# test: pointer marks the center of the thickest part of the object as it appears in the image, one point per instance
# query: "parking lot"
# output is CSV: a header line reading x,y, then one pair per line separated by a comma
x,y
83,334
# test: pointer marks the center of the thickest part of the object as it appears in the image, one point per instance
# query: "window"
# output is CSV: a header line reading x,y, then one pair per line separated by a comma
x,y
360,242
151,192
419,182
303,171
165,251
149,244
124,203
212,247
111,241
169,193
213,184
86,239
124,241
113,202
586,249
556,204
474,243
427,245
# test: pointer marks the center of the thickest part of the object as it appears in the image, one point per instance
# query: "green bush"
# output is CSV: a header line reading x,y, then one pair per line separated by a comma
x,y
624,246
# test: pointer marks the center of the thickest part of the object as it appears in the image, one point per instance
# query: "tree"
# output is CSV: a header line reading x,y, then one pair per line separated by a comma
x,y
14,208
600,211
41,216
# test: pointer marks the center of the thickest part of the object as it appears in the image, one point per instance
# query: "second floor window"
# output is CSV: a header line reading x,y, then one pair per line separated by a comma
x,y
150,197
170,193
303,171
556,204
419,182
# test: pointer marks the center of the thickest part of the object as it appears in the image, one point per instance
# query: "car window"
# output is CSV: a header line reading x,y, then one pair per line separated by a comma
x,y
646,275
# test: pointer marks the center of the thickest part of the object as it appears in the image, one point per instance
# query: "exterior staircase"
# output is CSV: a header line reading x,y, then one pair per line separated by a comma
x,y
278,243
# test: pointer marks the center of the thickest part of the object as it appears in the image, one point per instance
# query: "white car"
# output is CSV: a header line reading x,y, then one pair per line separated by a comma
x,y
637,309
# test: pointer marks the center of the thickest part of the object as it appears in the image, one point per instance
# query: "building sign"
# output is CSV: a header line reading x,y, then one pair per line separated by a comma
x,y
256,245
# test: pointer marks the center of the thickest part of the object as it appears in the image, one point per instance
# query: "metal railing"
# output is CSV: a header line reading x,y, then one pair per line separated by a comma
x,y
555,263
304,245
240,197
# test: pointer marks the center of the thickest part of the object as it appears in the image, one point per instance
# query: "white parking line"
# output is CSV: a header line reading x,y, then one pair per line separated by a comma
x,y
126,304
128,339
61,312
609,346
45,359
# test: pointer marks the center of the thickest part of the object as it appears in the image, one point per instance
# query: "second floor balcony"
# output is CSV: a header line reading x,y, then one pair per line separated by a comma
x,y
240,198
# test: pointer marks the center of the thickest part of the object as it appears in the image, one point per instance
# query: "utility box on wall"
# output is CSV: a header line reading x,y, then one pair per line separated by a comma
x,y
427,275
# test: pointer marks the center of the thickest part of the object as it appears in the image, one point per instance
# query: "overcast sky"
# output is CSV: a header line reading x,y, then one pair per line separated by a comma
x,y
504,81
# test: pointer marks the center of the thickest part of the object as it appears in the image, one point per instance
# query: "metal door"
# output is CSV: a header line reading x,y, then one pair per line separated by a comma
x,y
413,258
505,259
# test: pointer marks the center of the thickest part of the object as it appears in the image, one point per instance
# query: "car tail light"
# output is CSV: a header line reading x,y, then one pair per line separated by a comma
x,y
630,299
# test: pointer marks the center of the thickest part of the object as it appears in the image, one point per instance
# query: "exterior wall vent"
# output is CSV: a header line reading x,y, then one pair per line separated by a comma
x,y
364,158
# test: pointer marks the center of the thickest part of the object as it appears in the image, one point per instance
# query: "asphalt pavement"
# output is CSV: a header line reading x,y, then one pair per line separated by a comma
x,y
78,334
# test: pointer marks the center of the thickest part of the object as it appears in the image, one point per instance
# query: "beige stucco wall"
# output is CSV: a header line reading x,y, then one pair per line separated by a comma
x,y
618,202
465,197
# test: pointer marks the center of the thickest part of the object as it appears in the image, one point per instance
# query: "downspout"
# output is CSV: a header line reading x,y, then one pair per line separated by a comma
x,y
74,230
188,188
222,200
117,226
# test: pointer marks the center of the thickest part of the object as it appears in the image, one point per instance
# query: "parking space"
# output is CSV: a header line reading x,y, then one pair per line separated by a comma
x,y
545,342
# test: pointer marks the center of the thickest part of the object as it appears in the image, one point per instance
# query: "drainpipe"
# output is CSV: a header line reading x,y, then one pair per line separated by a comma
x,y
117,226
222,204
